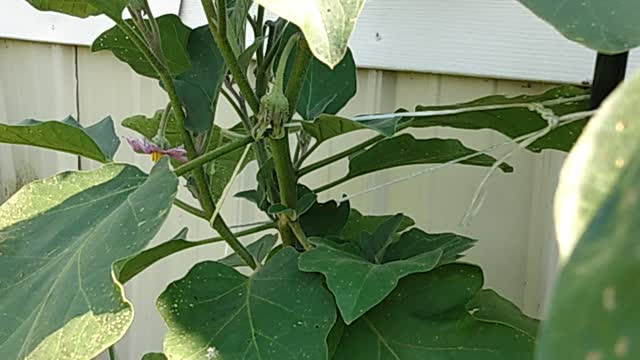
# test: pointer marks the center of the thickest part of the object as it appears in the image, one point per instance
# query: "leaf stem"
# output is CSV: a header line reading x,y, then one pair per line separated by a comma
x,y
324,162
112,353
190,209
212,155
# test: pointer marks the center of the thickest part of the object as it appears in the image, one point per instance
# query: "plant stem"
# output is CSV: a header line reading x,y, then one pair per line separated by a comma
x,y
300,235
234,105
229,57
190,209
324,162
298,72
212,155
204,197
233,242
112,353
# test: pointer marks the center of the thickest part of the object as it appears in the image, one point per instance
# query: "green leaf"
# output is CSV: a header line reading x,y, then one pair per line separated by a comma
x,y
125,269
515,122
237,11
425,318
360,277
277,313
259,249
602,26
404,150
98,142
324,90
489,306
327,24
148,127
220,171
154,356
245,58
58,240
357,223
199,86
173,35
325,127
593,312
82,8
325,219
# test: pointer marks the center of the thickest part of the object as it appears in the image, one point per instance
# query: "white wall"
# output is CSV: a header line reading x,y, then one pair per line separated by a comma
x,y
514,227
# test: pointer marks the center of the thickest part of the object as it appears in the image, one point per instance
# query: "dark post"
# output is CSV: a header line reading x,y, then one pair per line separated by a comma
x,y
609,72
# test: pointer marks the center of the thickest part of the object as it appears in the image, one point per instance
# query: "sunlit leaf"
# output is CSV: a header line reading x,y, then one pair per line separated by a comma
x,y
58,240
327,24
82,8
277,313
593,310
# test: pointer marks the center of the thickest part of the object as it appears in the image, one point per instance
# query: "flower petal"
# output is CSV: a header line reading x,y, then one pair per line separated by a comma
x,y
178,153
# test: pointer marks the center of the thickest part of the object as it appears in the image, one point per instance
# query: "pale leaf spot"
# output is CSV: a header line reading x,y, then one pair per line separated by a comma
x,y
621,347
594,355
609,298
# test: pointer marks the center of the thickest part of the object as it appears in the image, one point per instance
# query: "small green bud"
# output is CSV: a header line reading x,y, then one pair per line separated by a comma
x,y
274,112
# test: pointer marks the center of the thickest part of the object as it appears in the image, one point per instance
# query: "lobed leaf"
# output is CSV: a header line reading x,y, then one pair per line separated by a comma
x,y
361,273
429,320
59,238
277,313
98,142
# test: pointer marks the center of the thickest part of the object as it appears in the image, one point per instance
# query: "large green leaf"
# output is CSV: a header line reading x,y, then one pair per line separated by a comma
x,y
593,312
259,249
327,24
488,306
277,313
325,219
82,8
404,150
593,167
515,122
173,35
361,273
148,127
511,118
426,318
199,86
324,90
58,240
325,127
98,142
604,26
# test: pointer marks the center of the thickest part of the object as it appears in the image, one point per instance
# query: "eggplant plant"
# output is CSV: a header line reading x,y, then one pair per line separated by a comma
x,y
325,281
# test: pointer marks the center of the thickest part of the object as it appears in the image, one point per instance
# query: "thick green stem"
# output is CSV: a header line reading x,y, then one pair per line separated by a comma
x,y
112,353
212,155
229,58
204,197
298,73
233,242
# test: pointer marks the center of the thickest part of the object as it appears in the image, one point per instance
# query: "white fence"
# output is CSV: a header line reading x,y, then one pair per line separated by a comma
x,y
514,227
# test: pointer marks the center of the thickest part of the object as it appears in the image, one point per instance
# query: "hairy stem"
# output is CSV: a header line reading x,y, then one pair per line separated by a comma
x,y
212,155
219,36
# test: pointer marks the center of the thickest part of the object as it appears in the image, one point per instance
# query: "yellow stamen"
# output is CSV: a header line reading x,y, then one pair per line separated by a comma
x,y
155,156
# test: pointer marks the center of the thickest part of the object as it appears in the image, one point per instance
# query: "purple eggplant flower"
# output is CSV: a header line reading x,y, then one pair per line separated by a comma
x,y
144,147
